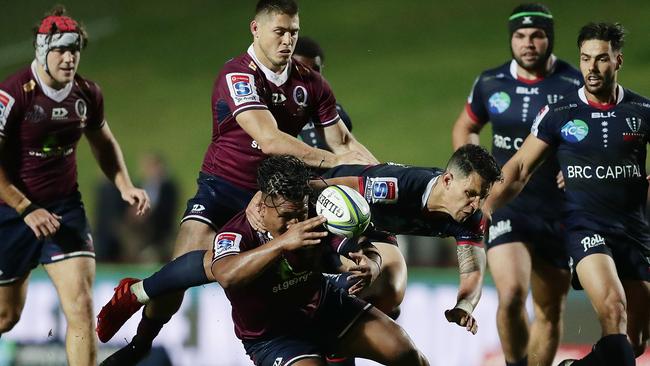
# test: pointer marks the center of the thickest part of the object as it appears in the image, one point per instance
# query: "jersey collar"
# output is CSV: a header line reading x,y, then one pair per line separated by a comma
x,y
54,94
583,96
276,79
513,69
427,191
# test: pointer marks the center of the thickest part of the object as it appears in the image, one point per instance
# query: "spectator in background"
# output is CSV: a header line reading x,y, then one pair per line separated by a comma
x,y
110,211
148,238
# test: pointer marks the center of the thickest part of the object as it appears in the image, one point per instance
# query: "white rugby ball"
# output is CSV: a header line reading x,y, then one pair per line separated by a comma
x,y
345,209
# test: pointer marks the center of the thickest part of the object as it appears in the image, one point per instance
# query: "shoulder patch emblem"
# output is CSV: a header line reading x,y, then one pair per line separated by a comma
x,y
6,103
242,88
225,243
381,190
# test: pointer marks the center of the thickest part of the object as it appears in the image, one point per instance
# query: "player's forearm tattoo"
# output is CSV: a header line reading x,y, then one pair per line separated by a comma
x,y
468,258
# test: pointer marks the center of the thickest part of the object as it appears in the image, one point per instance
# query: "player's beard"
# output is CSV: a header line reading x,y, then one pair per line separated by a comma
x,y
535,66
605,87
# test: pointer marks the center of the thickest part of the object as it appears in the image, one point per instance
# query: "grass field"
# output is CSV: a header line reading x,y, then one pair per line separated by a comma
x,y
401,69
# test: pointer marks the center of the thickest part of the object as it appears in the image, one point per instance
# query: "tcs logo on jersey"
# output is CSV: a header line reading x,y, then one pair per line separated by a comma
x,y
574,131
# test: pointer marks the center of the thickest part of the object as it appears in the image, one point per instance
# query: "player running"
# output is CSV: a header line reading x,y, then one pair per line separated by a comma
x,y
525,244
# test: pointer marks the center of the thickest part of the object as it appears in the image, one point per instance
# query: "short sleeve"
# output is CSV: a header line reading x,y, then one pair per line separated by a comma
x,y
544,127
475,107
325,105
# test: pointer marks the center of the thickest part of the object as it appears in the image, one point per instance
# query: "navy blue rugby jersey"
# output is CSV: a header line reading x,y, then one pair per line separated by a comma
x,y
602,153
397,196
511,104
311,137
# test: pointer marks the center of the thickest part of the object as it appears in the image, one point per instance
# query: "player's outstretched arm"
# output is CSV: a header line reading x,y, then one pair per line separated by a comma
x,y
341,141
241,268
465,130
516,173
471,265
262,127
109,156
42,222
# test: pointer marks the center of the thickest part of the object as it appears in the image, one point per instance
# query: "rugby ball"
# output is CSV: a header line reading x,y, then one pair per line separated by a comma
x,y
345,209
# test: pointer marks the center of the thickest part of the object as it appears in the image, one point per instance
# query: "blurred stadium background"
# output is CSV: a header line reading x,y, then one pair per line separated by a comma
x,y
402,70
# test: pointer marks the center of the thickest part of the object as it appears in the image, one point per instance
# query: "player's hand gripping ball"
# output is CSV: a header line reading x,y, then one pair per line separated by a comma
x,y
345,209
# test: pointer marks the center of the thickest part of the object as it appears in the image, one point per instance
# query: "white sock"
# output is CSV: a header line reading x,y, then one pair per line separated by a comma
x,y
138,290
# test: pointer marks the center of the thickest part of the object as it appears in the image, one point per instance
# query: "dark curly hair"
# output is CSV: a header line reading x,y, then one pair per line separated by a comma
x,y
284,176
614,33
474,158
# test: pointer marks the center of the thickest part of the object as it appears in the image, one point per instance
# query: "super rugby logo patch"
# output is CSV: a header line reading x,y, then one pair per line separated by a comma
x,y
242,88
6,102
226,243
574,131
381,190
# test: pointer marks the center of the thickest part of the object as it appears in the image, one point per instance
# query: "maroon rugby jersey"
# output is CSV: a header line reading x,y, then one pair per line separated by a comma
x,y
294,97
41,127
283,297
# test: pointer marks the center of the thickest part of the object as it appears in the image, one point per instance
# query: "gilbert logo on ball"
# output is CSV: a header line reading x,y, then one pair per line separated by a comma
x,y
346,211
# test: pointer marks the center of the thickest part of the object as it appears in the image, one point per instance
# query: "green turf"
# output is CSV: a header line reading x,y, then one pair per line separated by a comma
x,y
402,69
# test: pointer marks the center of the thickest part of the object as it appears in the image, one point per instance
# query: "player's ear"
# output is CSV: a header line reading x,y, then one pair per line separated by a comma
x,y
619,60
447,177
254,28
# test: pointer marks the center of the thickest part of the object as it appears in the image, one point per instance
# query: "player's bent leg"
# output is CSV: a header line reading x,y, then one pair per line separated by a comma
x,y
193,235
377,337
549,286
12,301
637,293
387,292
510,265
73,279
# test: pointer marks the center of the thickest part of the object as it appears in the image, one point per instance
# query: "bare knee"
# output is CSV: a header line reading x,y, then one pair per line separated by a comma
x,y
79,312
8,319
513,298
409,357
193,235
549,311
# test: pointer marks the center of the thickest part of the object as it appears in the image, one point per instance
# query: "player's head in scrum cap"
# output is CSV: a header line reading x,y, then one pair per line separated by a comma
x,y
531,31
470,174
275,31
284,183
601,56
58,40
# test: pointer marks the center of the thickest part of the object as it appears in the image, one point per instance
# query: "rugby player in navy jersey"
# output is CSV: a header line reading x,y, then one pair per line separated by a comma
x,y
525,245
599,135
310,53
261,100
45,108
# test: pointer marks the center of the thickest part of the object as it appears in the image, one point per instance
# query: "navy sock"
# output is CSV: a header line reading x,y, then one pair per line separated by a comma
x,y
522,362
178,275
148,329
613,349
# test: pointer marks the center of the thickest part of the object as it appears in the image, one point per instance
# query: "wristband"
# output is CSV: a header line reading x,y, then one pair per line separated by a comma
x,y
29,209
465,306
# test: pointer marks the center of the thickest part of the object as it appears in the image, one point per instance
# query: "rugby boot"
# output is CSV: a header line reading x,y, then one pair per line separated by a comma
x,y
116,312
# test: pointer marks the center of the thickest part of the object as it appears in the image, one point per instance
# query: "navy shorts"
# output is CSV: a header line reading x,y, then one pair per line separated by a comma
x,y
20,251
630,256
216,201
337,313
544,234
